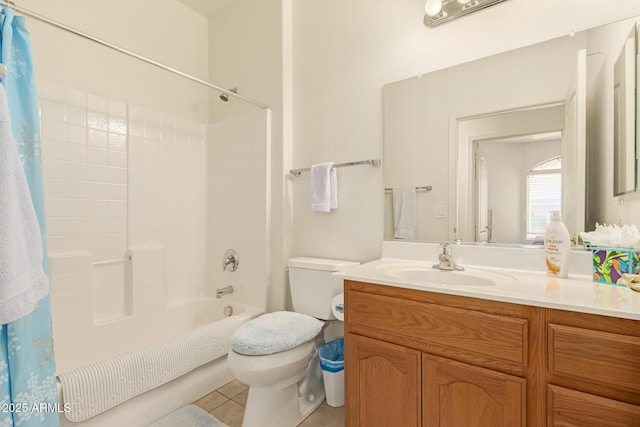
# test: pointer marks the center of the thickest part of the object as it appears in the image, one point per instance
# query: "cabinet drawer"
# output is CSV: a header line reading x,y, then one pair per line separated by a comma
x,y
465,335
600,362
569,408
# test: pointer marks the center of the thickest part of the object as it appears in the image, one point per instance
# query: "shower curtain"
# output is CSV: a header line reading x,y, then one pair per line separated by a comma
x,y
28,394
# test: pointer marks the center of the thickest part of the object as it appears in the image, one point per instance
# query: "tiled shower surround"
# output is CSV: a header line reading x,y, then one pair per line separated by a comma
x,y
125,205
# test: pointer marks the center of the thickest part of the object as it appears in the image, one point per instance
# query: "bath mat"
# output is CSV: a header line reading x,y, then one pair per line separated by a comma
x,y
188,416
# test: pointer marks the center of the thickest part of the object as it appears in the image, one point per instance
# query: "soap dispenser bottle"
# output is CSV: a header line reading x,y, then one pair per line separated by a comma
x,y
557,246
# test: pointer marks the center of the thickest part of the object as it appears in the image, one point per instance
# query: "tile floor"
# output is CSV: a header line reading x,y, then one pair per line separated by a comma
x,y
227,404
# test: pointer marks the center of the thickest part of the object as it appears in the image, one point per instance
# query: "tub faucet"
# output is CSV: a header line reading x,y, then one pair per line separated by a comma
x,y
224,291
445,259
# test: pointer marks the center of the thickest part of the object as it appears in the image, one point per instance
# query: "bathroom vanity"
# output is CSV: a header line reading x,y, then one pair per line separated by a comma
x,y
450,355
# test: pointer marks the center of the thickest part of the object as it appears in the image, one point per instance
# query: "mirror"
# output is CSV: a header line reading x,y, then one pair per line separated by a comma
x,y
504,139
624,117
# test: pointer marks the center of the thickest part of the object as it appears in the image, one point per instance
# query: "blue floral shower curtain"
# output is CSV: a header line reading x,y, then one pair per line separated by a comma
x,y
27,367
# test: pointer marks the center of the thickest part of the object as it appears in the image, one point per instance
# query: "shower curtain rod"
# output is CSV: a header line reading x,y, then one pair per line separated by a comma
x,y
64,27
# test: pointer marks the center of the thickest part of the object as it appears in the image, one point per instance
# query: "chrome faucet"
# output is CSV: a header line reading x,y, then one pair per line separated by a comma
x,y
224,291
445,259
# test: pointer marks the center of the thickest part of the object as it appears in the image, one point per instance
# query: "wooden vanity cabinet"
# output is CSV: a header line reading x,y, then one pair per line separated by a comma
x,y
415,358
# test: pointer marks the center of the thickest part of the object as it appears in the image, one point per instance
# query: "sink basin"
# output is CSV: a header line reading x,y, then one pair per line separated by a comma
x,y
469,277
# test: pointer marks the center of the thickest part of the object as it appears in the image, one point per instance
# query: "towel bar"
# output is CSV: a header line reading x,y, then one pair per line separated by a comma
x,y
423,188
373,162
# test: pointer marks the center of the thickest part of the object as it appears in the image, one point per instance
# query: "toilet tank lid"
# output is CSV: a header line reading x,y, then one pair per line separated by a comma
x,y
321,263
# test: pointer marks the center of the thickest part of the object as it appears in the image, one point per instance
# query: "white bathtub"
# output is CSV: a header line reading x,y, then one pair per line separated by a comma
x,y
153,404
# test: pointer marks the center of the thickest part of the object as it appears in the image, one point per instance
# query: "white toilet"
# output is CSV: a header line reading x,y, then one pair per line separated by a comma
x,y
276,353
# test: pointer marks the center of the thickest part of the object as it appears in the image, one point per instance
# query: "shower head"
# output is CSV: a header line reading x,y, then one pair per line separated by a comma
x,y
225,96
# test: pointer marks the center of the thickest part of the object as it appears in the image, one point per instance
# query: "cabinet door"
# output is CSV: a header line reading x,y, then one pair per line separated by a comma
x,y
461,395
570,408
382,384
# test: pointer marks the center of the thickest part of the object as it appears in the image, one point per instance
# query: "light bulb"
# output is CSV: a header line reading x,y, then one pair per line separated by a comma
x,y
464,1
433,7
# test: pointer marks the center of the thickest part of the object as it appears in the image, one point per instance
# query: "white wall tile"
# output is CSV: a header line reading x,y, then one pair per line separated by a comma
x,y
78,190
52,129
97,120
54,187
75,133
117,192
118,125
97,138
98,190
61,302
97,156
117,142
54,149
57,226
76,171
58,266
117,175
136,128
117,159
54,169
96,173
76,152
152,132
53,110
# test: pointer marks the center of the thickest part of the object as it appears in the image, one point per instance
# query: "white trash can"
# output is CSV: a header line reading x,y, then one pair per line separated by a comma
x,y
331,357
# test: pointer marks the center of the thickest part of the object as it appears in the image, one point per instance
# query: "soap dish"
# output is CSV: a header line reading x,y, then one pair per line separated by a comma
x,y
632,281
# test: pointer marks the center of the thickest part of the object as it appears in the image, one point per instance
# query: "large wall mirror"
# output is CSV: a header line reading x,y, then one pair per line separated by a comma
x,y
624,118
505,139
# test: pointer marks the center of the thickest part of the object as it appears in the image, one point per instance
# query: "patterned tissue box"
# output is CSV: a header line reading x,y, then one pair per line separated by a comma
x,y
609,264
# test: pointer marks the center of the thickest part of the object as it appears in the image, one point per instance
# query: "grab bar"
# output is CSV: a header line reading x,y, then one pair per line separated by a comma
x,y
112,260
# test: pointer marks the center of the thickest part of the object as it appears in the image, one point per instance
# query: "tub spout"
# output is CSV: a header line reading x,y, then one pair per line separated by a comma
x,y
224,291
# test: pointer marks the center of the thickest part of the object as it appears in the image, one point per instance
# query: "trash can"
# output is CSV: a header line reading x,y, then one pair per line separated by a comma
x,y
332,364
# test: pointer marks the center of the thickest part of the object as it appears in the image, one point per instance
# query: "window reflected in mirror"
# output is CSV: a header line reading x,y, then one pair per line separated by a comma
x,y
544,195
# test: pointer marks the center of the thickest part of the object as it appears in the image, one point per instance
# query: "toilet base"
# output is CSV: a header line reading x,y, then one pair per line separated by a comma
x,y
285,405
282,408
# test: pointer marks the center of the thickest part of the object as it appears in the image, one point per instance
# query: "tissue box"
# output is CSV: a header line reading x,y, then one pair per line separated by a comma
x,y
609,264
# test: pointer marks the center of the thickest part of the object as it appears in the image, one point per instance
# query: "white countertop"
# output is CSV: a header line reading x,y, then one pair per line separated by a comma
x,y
576,293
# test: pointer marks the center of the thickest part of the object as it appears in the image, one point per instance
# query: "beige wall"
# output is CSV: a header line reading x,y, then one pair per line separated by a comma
x,y
250,49
164,30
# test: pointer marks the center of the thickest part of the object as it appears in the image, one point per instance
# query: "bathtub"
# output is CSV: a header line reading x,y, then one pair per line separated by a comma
x,y
185,388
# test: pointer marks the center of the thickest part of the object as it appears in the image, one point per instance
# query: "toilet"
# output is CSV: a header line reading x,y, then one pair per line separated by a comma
x,y
276,354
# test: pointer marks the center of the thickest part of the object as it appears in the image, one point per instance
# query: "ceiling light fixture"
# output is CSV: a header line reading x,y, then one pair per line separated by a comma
x,y
438,12
433,8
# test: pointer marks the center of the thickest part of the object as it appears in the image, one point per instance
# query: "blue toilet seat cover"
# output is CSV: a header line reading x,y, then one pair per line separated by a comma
x,y
274,332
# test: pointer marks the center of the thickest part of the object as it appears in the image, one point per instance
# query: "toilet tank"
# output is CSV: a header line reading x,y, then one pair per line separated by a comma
x,y
313,285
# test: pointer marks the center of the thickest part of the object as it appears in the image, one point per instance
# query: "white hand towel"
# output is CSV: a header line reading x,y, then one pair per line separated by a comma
x,y
22,279
404,212
333,184
324,187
